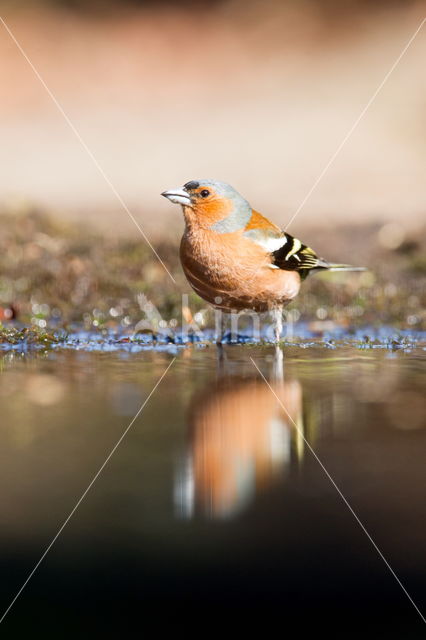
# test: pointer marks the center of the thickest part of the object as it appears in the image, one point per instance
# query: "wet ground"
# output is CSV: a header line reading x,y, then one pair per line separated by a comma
x,y
218,498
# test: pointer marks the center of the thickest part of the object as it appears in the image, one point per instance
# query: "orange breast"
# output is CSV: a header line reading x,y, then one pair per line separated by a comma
x,y
232,273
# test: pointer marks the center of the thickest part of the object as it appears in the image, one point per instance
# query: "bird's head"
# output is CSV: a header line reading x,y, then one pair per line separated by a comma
x,y
208,203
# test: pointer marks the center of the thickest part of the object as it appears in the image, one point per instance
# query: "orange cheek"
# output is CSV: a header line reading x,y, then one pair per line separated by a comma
x,y
212,211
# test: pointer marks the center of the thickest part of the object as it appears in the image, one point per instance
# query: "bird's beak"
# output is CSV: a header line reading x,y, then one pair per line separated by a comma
x,y
178,196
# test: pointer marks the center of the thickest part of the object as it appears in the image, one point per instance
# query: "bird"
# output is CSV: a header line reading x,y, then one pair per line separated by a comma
x,y
235,258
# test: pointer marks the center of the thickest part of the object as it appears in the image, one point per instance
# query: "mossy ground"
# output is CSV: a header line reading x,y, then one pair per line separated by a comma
x,y
54,276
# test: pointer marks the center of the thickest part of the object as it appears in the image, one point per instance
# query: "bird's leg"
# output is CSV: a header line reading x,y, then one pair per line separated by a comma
x,y
219,326
277,315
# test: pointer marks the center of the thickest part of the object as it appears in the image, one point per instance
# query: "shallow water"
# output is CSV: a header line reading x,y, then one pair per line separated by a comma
x,y
214,500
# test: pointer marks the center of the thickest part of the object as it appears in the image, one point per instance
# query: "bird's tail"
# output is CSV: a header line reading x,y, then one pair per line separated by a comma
x,y
331,266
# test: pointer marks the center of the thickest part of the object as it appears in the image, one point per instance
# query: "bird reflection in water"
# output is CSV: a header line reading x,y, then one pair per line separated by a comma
x,y
240,440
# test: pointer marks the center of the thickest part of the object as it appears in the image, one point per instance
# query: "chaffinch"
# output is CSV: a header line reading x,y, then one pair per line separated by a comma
x,y
234,257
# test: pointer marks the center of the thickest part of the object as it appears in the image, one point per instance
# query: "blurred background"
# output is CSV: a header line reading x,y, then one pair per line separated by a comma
x,y
259,94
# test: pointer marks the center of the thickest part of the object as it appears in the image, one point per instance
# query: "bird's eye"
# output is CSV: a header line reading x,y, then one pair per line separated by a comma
x,y
204,193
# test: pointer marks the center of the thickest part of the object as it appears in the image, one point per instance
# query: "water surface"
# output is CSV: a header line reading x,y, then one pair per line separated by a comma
x,y
214,502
